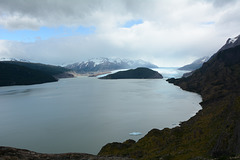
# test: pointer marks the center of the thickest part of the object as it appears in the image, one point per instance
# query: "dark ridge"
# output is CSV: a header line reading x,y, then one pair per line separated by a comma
x,y
56,71
12,74
138,73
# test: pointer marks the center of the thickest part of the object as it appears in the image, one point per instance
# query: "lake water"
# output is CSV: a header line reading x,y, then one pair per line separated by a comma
x,y
83,114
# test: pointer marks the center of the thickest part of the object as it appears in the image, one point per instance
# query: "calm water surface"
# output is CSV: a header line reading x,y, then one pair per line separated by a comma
x,y
83,114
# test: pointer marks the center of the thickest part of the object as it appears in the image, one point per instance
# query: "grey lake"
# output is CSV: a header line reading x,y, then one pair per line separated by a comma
x,y
83,114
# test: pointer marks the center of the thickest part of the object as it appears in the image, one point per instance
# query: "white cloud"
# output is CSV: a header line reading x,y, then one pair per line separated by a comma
x,y
17,21
4,48
172,32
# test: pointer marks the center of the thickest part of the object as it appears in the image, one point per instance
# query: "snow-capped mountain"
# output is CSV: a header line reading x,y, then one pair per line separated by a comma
x,y
231,42
107,64
195,65
14,59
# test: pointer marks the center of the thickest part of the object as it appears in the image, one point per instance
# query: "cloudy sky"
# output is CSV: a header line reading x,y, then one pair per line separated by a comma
x,y
165,32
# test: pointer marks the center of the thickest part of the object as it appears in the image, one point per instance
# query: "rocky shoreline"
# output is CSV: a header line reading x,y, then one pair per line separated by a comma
x,y
9,153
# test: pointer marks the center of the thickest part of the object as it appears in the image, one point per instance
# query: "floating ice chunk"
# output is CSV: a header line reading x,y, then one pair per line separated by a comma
x,y
135,133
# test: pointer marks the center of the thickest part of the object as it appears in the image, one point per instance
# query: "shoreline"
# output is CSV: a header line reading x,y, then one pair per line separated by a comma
x,y
9,153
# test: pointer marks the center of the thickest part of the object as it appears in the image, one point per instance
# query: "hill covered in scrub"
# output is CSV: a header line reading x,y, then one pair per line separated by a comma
x,y
56,71
9,153
26,73
12,74
214,132
138,73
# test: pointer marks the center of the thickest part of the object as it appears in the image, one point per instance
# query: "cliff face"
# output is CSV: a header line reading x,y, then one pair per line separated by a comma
x,y
217,76
213,132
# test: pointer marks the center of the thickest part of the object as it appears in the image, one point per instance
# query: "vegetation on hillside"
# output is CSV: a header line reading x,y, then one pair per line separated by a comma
x,y
12,74
138,73
49,69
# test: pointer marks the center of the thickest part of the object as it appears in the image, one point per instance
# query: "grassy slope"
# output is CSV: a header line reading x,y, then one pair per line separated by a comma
x,y
213,132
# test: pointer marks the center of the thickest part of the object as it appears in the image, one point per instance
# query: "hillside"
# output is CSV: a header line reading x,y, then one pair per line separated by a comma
x,y
107,64
194,65
138,73
9,153
213,132
12,74
56,71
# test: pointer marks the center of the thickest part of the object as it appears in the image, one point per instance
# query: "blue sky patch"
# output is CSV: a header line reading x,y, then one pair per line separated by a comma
x,y
131,23
208,23
44,33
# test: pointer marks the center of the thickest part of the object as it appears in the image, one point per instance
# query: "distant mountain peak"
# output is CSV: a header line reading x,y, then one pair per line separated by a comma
x,y
232,40
202,60
231,43
195,64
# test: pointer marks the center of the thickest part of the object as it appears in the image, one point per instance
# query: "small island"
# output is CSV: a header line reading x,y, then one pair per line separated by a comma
x,y
138,73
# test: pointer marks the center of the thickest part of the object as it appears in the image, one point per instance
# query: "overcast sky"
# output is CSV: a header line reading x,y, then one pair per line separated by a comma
x,y
165,32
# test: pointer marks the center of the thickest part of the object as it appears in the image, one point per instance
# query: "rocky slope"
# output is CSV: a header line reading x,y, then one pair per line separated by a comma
x,y
214,132
195,65
138,73
231,43
107,64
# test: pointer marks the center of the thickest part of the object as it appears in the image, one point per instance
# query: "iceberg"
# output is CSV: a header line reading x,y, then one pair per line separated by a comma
x,y
135,133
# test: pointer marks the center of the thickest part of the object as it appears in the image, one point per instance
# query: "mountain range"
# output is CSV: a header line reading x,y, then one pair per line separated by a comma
x,y
231,43
107,64
13,59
